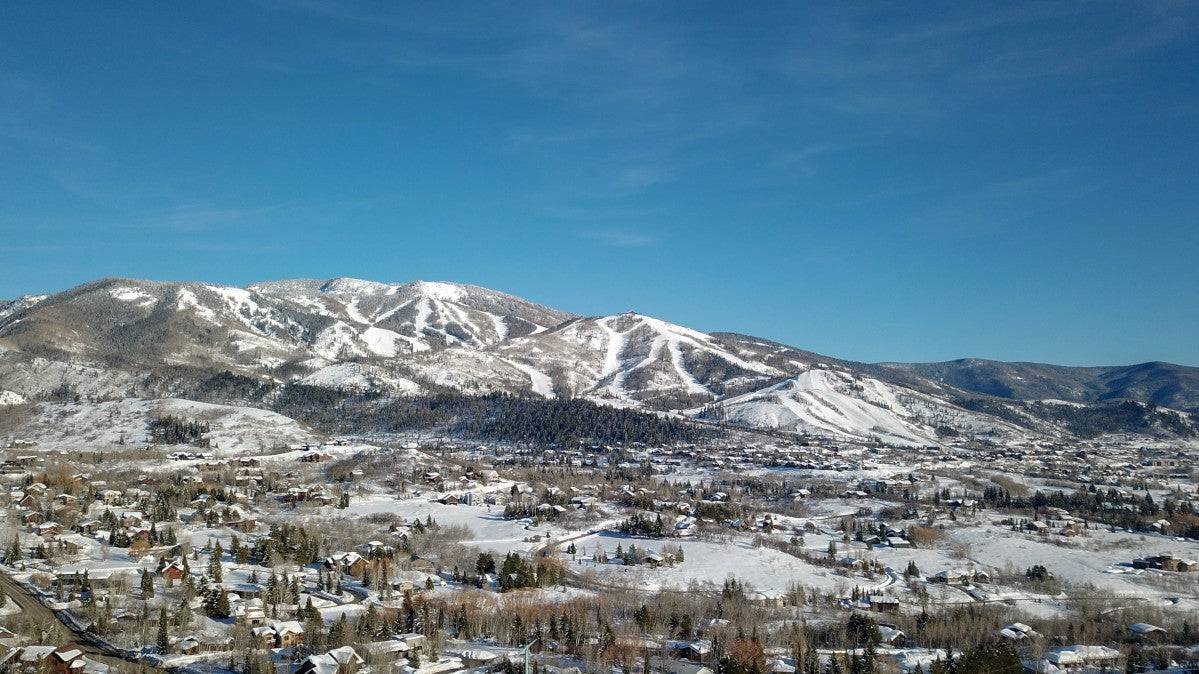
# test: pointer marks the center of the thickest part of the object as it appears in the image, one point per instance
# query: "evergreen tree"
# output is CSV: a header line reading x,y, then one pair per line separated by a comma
x,y
216,605
214,564
164,638
989,658
339,632
183,614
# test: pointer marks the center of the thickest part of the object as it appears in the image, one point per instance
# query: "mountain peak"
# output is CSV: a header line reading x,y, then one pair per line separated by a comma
x,y
356,286
441,290
429,335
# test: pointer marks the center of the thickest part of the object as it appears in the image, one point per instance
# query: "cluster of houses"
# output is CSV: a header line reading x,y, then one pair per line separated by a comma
x,y
1057,521
65,523
1166,563
36,659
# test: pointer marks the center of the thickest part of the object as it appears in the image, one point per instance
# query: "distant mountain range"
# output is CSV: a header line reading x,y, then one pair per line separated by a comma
x,y
1158,383
128,338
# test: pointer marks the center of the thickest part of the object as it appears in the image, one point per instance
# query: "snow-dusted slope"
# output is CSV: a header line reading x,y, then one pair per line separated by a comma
x,y
361,377
190,324
40,378
387,320
837,403
254,330
233,430
633,358
8,308
122,338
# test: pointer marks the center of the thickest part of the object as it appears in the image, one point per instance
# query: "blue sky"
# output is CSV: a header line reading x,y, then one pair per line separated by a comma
x,y
898,181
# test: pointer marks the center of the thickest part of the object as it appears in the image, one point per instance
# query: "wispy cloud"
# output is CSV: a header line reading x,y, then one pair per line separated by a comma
x,y
200,217
27,110
899,67
638,177
238,247
1002,205
621,238
636,92
36,248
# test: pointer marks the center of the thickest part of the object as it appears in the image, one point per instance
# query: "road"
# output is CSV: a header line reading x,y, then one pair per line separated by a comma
x,y
892,578
576,536
85,640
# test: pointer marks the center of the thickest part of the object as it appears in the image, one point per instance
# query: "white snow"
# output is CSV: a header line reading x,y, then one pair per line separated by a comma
x,y
362,377
541,382
446,292
829,402
676,358
133,295
707,564
489,529
602,358
106,424
615,346
1064,403
383,342
22,303
186,301
354,314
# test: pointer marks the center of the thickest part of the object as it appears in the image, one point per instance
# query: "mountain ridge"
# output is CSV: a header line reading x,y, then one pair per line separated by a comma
x,y
1156,382
119,337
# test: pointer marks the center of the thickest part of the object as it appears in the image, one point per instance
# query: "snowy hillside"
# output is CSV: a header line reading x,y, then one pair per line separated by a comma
x,y
122,338
387,320
254,330
173,323
836,403
233,430
42,378
634,358
360,377
10,307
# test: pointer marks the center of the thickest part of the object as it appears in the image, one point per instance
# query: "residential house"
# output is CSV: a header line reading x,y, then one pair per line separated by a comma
x,y
288,633
65,660
890,635
1077,657
478,657
350,563
337,661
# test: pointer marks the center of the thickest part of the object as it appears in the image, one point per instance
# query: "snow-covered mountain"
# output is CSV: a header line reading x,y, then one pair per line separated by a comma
x,y
379,319
121,338
1158,383
630,358
264,326
156,323
839,403
232,429
10,307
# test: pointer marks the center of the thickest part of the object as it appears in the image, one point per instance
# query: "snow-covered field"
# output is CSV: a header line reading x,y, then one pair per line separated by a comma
x,y
1094,559
707,564
837,404
489,530
85,425
1096,564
